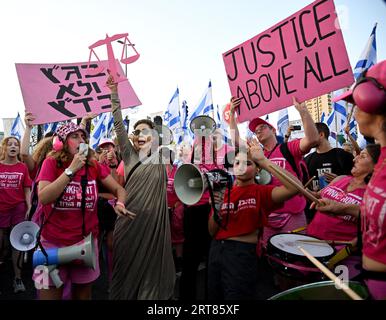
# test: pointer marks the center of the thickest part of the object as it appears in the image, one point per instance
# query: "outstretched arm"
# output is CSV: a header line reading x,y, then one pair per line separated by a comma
x,y
123,140
25,142
311,134
234,130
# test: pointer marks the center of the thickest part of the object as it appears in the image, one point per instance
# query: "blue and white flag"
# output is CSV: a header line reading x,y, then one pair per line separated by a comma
x,y
205,106
100,129
283,122
17,129
172,117
49,127
340,114
331,124
369,55
186,134
367,59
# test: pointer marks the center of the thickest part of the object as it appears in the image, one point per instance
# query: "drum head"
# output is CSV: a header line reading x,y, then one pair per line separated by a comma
x,y
289,242
325,290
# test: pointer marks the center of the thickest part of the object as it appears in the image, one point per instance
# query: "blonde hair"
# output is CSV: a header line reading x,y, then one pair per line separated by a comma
x,y
42,148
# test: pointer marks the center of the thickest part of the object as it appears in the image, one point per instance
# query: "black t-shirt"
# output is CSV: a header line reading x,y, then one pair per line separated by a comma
x,y
335,161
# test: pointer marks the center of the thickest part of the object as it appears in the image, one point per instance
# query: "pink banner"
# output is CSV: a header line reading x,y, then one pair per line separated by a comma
x,y
302,56
57,92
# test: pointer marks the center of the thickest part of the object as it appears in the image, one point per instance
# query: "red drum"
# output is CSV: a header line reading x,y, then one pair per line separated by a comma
x,y
286,259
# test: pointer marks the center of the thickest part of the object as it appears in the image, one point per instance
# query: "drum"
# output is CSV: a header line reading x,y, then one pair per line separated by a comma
x,y
285,257
324,290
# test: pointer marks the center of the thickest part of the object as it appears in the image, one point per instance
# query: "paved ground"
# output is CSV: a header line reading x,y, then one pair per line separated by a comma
x,y
265,290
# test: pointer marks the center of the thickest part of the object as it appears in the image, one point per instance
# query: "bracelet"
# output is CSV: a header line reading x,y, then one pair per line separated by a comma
x,y
119,203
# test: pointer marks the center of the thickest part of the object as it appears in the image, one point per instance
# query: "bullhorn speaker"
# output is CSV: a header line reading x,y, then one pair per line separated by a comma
x,y
203,125
165,135
190,183
82,252
263,177
23,235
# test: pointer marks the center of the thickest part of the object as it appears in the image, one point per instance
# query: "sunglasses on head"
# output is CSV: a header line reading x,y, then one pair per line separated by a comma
x,y
143,131
362,78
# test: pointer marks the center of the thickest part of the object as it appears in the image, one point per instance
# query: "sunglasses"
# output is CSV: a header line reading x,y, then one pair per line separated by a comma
x,y
362,78
145,132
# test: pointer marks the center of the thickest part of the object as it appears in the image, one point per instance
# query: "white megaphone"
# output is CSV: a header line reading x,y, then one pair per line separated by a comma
x,y
263,177
165,135
203,125
23,235
83,251
190,183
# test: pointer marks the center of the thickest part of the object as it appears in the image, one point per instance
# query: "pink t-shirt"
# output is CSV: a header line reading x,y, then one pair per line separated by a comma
x,y
297,203
66,221
13,179
171,192
373,213
330,227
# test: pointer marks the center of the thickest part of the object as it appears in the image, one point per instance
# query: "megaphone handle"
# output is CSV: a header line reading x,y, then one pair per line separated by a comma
x,y
25,253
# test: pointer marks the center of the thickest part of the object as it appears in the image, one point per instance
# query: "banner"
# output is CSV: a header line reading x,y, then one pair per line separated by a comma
x,y
303,56
58,92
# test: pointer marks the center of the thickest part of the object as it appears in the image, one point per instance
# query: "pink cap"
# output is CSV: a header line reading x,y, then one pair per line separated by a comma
x,y
106,141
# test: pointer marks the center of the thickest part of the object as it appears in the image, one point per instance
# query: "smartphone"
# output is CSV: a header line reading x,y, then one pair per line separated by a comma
x,y
83,148
296,128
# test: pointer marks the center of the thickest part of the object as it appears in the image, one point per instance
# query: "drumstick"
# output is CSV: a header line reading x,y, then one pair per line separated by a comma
x,y
309,181
352,294
278,172
324,241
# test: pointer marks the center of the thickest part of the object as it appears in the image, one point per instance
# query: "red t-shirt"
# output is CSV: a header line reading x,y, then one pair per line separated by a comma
x,y
328,227
373,213
13,179
66,221
248,210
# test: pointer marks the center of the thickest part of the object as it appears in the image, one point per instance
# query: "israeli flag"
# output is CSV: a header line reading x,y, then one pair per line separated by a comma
x,y
205,106
172,117
283,122
331,124
367,59
100,130
369,55
186,134
17,129
49,127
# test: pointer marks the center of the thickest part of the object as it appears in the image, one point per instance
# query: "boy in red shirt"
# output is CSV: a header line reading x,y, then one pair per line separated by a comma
x,y
232,258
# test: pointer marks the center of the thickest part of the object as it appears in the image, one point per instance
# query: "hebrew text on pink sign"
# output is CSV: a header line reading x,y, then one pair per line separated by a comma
x,y
302,56
57,92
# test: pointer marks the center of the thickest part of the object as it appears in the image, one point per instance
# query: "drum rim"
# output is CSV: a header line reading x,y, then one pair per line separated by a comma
x,y
323,258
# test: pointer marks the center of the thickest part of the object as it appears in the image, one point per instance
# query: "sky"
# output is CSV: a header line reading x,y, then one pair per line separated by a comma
x,y
180,42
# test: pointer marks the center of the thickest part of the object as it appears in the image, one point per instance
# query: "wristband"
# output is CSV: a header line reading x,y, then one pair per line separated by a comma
x,y
119,203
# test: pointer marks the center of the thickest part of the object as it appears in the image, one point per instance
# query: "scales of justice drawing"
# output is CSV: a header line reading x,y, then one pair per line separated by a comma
x,y
112,62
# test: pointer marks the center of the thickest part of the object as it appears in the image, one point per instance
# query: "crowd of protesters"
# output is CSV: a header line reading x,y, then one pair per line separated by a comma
x,y
123,193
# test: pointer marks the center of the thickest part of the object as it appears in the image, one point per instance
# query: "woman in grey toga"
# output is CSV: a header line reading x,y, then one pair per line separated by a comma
x,y
143,267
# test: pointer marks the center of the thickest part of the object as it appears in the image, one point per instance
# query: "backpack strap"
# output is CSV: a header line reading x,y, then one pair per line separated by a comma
x,y
131,172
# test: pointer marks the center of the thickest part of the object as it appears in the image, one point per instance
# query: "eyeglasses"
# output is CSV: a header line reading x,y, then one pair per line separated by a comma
x,y
144,131
261,128
362,78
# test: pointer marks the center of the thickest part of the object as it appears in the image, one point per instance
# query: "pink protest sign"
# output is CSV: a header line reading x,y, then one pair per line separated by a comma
x,y
57,92
302,56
